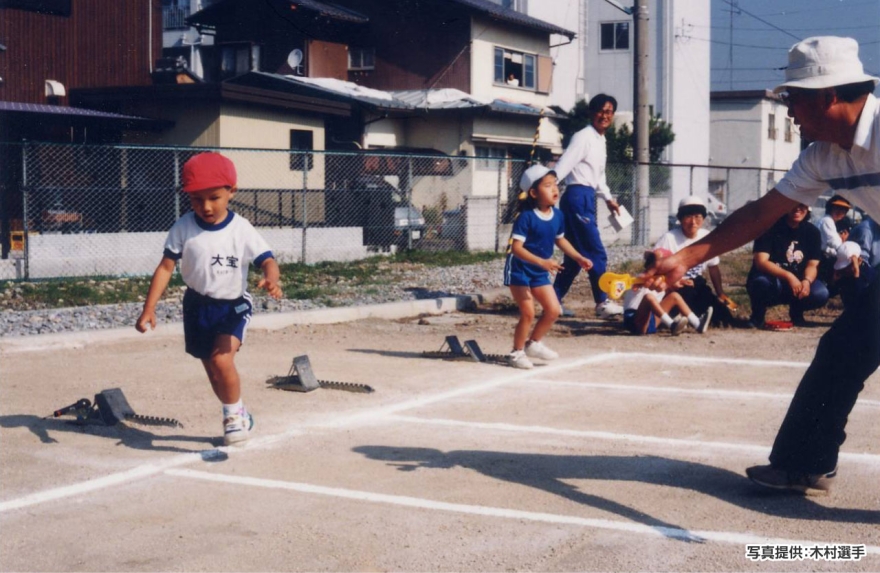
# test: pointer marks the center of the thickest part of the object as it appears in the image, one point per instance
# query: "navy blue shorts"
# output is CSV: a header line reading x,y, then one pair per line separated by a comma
x,y
520,273
205,317
629,322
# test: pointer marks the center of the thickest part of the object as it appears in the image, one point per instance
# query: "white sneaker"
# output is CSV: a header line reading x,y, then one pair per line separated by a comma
x,y
536,349
705,321
679,325
518,359
608,309
237,428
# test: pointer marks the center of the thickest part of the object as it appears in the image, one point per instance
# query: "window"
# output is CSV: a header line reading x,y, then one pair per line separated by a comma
x,y
361,58
771,126
489,157
515,69
301,140
237,59
615,36
789,129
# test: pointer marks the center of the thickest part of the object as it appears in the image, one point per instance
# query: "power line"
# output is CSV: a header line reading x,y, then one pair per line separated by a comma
x,y
759,19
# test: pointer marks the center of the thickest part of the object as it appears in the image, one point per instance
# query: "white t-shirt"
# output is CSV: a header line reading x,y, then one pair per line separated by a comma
x,y
214,259
583,162
675,240
633,297
853,174
830,237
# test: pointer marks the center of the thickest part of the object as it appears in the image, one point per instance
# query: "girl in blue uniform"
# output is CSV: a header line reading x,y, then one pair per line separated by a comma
x,y
538,227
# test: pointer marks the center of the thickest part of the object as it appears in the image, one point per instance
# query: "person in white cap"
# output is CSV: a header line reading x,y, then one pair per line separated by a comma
x,y
693,287
852,274
830,97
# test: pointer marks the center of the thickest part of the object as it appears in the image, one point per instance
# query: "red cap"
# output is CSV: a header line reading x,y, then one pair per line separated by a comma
x,y
208,171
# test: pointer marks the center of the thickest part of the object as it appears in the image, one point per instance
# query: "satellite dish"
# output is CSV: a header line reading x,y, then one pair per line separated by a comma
x,y
295,58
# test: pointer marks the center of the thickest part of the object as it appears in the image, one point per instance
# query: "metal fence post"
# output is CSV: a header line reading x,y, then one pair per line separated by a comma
x,y
409,207
305,219
24,206
176,185
498,207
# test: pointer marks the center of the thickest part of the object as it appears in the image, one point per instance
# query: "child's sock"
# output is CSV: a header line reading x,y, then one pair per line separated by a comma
x,y
694,320
230,409
666,320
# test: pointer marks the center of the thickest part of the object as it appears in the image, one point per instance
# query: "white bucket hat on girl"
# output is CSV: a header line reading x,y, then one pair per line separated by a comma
x,y
532,175
824,62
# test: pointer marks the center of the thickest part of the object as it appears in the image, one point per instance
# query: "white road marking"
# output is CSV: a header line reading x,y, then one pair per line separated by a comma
x,y
707,392
732,537
635,438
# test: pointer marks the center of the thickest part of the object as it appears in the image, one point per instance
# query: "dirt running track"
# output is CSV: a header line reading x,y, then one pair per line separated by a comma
x,y
626,454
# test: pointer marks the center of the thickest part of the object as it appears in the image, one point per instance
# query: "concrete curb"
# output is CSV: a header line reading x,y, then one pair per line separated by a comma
x,y
270,321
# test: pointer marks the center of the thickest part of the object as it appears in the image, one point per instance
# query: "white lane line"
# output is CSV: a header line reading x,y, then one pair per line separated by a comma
x,y
708,392
488,511
111,480
681,359
269,441
870,459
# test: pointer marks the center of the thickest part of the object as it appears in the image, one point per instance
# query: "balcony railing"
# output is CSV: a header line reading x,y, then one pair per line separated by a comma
x,y
174,18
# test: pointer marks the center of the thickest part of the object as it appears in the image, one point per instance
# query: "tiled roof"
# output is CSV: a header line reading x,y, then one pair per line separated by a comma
x,y
14,106
512,16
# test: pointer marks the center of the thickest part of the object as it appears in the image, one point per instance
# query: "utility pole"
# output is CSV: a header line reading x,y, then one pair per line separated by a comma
x,y
641,116
641,122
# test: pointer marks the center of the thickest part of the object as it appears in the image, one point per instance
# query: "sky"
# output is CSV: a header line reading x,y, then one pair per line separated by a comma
x,y
750,38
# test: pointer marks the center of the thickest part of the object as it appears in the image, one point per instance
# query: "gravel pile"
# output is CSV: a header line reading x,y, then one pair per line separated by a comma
x,y
404,284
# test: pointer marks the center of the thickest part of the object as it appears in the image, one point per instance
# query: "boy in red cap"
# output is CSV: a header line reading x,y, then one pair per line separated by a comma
x,y
214,247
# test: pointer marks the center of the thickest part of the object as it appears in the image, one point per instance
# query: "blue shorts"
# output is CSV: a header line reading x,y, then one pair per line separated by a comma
x,y
517,272
205,317
629,322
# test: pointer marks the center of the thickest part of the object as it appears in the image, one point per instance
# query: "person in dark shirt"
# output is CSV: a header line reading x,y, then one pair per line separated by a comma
x,y
784,269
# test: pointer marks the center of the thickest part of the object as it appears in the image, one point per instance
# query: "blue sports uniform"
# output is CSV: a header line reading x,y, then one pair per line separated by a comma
x,y
578,205
539,233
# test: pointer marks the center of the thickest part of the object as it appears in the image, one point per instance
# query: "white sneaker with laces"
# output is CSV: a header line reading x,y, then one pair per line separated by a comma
x,y
237,428
536,349
705,321
518,359
608,309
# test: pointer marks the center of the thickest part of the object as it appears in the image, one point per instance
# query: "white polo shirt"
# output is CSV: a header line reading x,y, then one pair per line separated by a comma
x,y
214,259
583,162
675,240
854,174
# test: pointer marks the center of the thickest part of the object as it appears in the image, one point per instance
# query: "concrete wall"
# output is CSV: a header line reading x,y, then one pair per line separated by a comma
x,y
567,55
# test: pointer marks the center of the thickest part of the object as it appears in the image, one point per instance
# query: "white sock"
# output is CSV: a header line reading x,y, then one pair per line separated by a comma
x,y
694,320
229,409
666,320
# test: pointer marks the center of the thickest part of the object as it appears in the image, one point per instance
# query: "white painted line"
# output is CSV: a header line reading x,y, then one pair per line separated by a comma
x,y
731,537
870,459
111,480
708,392
680,359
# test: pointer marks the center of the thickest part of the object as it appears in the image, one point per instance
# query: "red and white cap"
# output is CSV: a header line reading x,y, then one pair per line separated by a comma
x,y
208,171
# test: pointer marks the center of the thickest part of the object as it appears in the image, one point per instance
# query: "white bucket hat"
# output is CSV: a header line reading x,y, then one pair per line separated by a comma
x,y
845,252
532,175
824,62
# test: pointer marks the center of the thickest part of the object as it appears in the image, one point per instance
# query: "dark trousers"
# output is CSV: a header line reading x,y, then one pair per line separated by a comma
x,y
578,206
766,291
813,430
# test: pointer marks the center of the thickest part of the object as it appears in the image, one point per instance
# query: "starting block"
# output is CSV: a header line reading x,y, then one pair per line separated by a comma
x,y
301,378
452,348
109,409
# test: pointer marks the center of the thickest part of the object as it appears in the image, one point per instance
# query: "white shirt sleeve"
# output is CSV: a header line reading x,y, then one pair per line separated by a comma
x,y
830,237
576,151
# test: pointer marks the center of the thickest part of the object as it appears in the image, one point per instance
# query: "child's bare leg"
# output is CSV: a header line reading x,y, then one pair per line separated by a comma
x,y
649,306
221,369
674,300
546,296
522,295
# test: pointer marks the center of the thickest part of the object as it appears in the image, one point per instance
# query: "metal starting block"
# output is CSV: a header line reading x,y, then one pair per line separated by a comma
x,y
301,378
109,409
452,348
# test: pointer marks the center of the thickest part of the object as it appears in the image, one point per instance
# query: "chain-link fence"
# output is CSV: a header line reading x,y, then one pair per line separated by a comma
x,y
76,210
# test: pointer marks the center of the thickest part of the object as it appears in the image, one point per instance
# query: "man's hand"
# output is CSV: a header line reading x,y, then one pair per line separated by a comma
x,y
585,263
664,272
147,317
613,206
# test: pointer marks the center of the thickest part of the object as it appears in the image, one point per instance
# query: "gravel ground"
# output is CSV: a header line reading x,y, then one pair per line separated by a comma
x,y
405,284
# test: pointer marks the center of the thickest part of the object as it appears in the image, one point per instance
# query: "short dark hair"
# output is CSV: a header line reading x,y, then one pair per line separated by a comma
x,y
599,101
851,92
844,224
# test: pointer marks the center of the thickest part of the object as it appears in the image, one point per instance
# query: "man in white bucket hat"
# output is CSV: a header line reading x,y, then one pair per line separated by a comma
x,y
830,97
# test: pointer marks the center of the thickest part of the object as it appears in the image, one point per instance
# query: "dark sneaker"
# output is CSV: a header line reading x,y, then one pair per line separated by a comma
x,y
807,484
705,321
679,325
